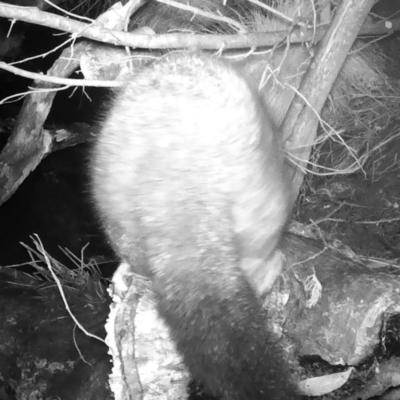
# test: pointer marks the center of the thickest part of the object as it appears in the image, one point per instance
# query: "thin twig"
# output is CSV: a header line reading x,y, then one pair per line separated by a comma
x,y
197,11
39,246
57,80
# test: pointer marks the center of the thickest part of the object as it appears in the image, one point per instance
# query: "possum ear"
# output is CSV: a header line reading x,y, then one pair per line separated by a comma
x,y
261,273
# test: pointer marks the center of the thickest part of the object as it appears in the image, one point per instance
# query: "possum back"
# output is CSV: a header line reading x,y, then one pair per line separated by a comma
x,y
189,179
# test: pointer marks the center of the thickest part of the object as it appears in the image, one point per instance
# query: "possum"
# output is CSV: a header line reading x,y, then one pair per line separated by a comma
x,y
189,179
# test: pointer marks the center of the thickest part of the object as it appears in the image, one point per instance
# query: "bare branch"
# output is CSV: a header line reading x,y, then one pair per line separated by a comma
x,y
173,40
56,79
300,123
97,32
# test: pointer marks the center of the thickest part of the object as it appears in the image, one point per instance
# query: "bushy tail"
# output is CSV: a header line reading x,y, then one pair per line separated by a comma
x,y
220,328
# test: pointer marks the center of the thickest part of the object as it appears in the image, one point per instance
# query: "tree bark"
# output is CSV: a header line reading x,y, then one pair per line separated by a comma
x,y
301,121
29,143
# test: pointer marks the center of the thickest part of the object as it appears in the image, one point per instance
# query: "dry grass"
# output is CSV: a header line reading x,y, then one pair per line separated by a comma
x,y
80,277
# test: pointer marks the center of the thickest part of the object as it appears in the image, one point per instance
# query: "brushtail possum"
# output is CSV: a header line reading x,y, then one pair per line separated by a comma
x,y
189,180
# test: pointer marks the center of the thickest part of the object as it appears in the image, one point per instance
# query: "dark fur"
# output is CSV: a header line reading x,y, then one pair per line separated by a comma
x,y
189,179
